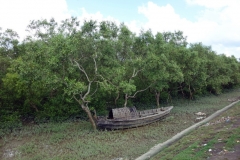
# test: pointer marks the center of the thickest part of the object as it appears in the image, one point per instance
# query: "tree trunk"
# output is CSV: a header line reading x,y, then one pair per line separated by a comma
x,y
157,96
126,99
169,97
115,100
34,106
182,91
86,109
95,115
190,92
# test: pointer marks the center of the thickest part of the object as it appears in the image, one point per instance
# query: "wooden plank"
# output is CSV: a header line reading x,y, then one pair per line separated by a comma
x,y
147,116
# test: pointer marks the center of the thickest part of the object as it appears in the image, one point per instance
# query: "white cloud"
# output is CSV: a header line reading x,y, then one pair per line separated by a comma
x,y
135,26
164,18
215,4
84,15
218,25
228,51
217,28
16,14
161,17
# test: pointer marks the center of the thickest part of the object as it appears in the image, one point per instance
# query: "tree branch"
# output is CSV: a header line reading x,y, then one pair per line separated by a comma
x,y
139,92
95,90
83,70
76,99
135,73
107,80
95,64
88,91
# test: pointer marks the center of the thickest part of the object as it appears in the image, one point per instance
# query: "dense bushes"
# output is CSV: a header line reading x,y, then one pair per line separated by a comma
x,y
58,68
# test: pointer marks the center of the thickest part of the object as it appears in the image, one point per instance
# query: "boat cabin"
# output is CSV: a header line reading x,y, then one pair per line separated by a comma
x,y
123,113
131,112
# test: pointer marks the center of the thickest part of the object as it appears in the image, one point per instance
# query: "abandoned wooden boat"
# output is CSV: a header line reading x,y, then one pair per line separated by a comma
x,y
128,117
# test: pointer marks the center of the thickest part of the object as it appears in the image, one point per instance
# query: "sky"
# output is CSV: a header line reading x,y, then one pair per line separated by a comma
x,y
215,23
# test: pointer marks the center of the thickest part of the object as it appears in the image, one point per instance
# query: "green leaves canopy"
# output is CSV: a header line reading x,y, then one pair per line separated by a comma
x,y
97,63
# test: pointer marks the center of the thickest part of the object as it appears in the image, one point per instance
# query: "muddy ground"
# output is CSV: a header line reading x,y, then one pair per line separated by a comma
x,y
217,140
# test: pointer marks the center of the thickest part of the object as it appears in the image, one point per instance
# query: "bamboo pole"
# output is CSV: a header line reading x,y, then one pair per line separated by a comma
x,y
159,147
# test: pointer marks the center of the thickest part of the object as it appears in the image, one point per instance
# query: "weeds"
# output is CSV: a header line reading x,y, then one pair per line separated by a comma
x,y
233,139
77,140
201,143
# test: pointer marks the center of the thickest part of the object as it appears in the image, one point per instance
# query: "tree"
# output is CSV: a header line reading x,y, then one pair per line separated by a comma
x,y
119,76
84,59
9,43
54,60
194,71
176,38
73,62
166,70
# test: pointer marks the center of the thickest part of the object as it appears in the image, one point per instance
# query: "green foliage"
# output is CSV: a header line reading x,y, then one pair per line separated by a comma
x,y
74,87
52,111
9,120
9,44
97,65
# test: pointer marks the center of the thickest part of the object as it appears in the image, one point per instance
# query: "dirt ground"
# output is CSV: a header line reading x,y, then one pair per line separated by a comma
x,y
219,152
217,140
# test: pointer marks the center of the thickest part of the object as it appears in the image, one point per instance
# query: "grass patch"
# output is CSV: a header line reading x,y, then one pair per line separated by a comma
x,y
77,140
207,140
233,139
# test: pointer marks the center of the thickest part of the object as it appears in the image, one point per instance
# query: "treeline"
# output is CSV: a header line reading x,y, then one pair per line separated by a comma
x,y
60,70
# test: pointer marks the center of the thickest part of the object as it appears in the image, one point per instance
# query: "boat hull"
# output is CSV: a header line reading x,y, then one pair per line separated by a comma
x,y
133,122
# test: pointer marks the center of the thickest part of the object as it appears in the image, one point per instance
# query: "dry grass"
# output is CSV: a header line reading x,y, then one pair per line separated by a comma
x,y
76,140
